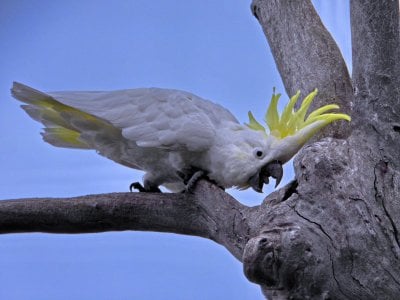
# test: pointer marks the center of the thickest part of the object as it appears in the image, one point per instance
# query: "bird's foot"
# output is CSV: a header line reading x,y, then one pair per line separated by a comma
x,y
138,186
191,180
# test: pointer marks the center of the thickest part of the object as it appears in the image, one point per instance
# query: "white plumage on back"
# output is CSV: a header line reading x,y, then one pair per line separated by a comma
x,y
154,117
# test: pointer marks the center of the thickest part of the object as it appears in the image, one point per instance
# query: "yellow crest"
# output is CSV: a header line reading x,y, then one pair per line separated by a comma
x,y
290,121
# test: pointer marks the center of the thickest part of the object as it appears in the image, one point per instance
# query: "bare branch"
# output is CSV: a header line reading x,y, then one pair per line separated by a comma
x,y
375,29
209,213
305,53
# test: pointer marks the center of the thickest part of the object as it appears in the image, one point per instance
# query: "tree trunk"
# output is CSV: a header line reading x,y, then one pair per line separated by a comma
x,y
333,232
335,235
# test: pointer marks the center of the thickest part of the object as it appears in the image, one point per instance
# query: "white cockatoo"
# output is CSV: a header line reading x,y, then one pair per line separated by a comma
x,y
175,136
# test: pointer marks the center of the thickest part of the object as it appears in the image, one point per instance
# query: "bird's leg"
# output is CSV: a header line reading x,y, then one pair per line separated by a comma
x,y
191,178
147,188
191,183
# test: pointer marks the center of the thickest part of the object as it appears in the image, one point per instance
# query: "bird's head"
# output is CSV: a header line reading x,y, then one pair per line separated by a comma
x,y
286,133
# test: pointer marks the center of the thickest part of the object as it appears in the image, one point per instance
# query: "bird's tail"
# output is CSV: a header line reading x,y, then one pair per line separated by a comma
x,y
64,125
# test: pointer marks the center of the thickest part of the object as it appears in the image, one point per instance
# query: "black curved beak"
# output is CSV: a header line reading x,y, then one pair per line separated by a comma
x,y
256,183
273,169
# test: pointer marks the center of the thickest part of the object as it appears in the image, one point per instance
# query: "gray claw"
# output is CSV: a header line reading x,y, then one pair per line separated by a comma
x,y
137,186
142,189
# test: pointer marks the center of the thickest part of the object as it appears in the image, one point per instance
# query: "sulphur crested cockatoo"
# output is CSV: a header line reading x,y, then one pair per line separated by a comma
x,y
172,134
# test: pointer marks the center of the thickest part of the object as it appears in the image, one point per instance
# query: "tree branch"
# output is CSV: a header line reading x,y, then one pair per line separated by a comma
x,y
375,28
209,213
306,55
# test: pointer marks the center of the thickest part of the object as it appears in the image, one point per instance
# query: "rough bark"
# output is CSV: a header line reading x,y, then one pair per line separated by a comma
x,y
332,233
336,236
210,213
306,55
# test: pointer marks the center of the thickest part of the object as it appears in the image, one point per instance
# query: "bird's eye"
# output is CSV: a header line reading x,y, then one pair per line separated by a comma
x,y
258,153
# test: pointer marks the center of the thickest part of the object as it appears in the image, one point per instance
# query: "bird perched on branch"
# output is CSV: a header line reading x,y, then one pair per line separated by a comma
x,y
175,136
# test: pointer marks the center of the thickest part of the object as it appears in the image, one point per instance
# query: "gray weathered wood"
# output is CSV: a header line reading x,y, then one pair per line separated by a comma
x,y
306,55
210,213
336,236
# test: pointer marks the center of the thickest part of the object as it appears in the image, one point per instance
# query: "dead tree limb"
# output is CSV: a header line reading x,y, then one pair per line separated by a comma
x,y
210,213
306,55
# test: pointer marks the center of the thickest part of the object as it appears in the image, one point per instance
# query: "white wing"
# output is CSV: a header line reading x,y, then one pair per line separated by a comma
x,y
152,117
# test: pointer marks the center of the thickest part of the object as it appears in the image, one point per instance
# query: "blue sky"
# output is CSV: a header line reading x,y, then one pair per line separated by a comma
x,y
215,49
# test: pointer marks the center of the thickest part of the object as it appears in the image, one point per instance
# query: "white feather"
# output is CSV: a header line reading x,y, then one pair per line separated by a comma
x,y
154,117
